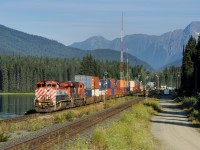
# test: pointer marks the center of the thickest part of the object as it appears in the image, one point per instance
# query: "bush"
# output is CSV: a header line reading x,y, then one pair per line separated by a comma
x,y
35,124
59,118
154,104
99,138
189,102
69,116
4,137
194,116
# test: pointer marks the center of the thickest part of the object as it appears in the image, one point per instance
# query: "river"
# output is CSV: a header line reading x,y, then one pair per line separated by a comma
x,y
13,105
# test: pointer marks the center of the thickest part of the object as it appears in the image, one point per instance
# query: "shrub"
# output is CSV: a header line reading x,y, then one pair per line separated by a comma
x,y
189,102
99,138
154,104
69,116
35,124
4,137
194,115
59,118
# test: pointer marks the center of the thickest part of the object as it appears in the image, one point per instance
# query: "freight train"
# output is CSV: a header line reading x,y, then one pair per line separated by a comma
x,y
53,95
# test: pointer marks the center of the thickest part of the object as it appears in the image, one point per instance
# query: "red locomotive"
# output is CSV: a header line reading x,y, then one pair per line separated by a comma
x,y
54,95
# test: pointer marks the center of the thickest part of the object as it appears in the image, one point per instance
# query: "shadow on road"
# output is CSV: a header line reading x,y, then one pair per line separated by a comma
x,y
171,114
176,123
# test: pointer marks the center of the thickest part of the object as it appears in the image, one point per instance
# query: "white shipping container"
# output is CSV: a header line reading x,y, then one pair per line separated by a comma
x,y
86,80
131,88
132,84
103,92
95,92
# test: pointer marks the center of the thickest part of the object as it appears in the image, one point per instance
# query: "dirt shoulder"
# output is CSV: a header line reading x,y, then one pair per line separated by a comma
x,y
172,128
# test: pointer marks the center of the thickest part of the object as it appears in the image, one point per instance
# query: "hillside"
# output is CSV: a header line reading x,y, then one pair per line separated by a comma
x,y
114,55
155,50
16,42
20,43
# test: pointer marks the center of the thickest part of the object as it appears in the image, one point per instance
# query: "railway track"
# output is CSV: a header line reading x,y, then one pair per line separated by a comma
x,y
58,135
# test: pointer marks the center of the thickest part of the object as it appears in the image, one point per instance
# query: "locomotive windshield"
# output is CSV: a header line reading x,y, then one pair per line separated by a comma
x,y
39,85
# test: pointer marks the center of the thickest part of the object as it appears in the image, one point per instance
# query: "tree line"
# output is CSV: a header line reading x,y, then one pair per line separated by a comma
x,y
20,73
190,80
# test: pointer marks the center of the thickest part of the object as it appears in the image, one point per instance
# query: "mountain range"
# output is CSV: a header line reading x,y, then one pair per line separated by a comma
x,y
158,51
20,43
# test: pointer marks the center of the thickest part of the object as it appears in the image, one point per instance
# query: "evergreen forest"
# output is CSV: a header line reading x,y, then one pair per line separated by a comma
x,y
190,80
20,73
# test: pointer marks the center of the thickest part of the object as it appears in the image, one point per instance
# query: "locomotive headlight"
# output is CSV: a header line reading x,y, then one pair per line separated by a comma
x,y
39,103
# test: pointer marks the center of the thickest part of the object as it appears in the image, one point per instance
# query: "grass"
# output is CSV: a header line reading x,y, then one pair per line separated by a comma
x,y
36,124
154,104
190,105
131,131
4,137
17,93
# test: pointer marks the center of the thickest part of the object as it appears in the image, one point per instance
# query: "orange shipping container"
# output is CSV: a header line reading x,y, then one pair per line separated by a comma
x,y
112,83
95,82
121,83
108,92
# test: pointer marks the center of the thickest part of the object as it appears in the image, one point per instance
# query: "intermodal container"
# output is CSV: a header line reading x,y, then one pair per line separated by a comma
x,y
88,92
108,84
101,84
86,80
118,91
112,91
95,82
127,83
108,92
132,89
95,92
139,84
127,89
121,83
102,92
132,84
112,83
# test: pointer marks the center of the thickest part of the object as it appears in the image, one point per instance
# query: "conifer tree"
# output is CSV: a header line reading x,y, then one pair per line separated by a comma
x,y
188,81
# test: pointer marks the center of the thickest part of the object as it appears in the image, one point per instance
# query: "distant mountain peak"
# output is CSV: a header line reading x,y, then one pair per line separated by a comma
x,y
94,42
193,29
97,37
156,50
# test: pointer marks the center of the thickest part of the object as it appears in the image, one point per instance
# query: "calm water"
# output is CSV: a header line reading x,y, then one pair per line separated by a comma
x,y
13,105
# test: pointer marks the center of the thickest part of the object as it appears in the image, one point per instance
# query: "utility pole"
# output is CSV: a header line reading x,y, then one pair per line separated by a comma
x,y
105,85
127,75
122,47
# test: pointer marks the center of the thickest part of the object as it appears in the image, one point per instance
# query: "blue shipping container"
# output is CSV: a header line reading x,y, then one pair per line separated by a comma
x,y
101,84
108,85
88,92
128,89
112,91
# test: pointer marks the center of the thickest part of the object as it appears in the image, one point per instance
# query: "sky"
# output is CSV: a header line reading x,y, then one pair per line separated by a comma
x,y
69,21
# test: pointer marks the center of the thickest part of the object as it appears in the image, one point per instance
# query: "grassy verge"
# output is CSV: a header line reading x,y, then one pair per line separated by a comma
x,y
36,124
131,131
16,93
192,106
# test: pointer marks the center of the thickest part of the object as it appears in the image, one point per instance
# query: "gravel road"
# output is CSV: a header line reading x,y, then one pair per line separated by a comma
x,y
172,128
